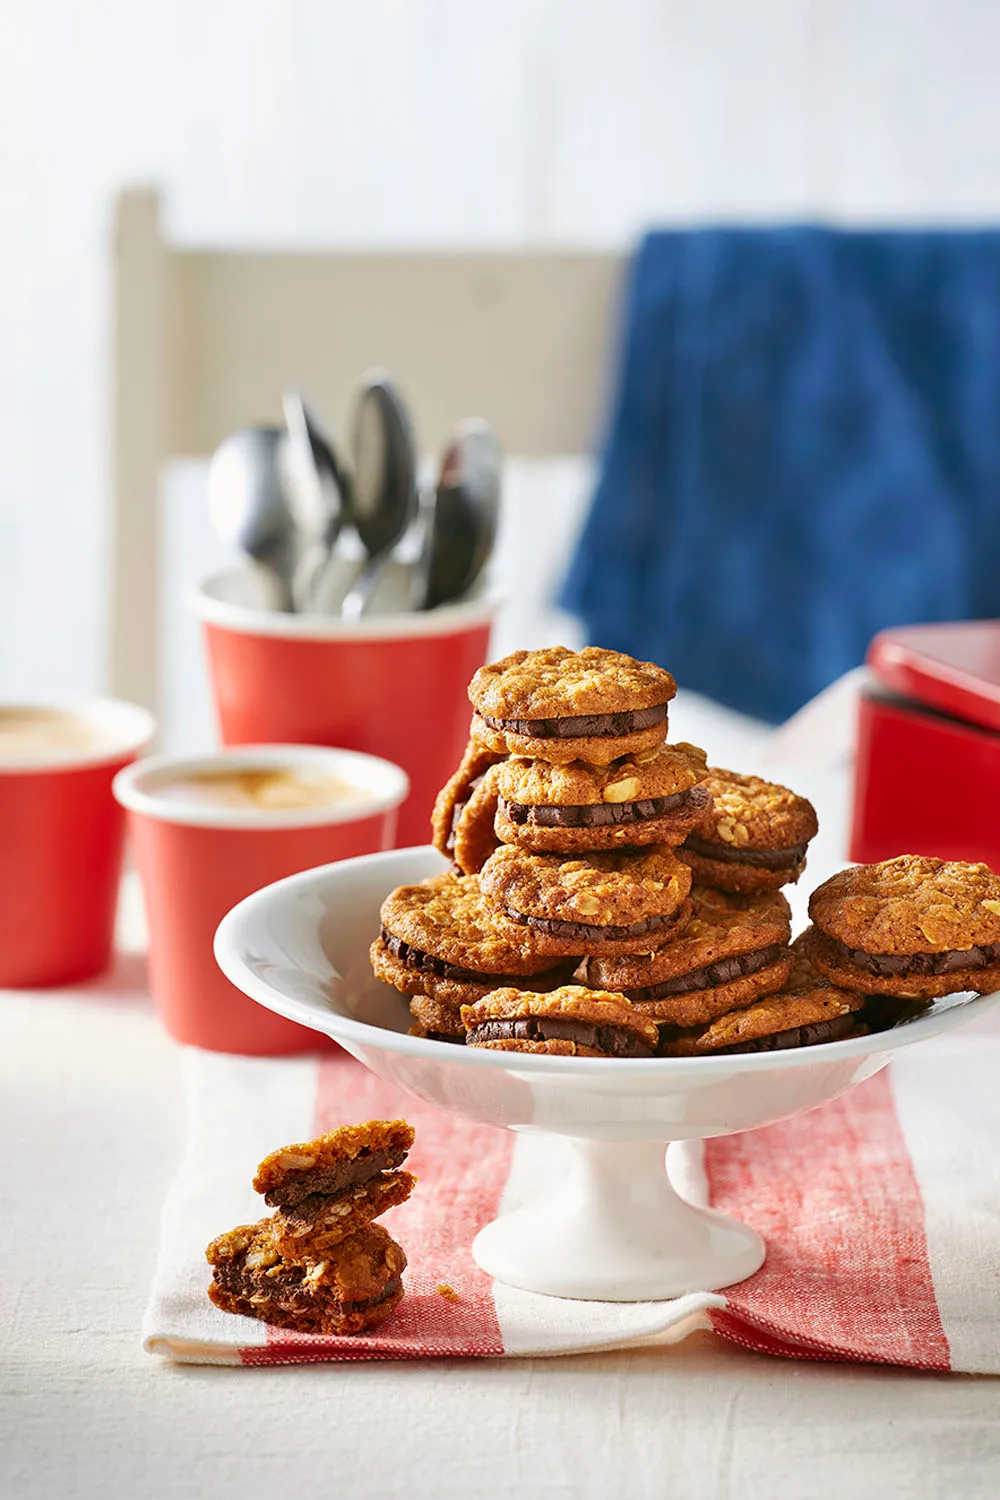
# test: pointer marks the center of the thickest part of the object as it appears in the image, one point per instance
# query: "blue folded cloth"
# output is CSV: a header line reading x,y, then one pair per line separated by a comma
x,y
804,449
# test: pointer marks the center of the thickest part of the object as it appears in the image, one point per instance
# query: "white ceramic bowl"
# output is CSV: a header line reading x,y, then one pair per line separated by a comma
x,y
616,1230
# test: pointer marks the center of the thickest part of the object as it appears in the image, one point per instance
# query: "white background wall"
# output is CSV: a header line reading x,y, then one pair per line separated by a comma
x,y
432,122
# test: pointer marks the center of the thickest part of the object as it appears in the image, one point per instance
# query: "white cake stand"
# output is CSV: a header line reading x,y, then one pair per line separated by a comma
x,y
615,1230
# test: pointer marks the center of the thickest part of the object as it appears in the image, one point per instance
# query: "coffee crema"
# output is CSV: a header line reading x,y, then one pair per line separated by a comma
x,y
49,734
264,788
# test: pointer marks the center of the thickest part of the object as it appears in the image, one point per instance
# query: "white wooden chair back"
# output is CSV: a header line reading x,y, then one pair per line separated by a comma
x,y
206,340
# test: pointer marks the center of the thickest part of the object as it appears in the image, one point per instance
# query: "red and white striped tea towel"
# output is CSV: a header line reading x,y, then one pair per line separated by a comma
x,y
881,1213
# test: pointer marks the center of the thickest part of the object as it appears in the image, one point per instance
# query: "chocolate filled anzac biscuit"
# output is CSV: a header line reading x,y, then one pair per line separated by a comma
x,y
352,1289
914,927
678,1043
341,1159
806,1011
604,902
446,931
653,797
915,976
570,1022
442,1023
733,950
462,820
423,976
317,1223
754,838
591,705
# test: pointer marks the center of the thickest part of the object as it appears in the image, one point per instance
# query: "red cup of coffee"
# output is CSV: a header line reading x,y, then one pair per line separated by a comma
x,y
208,831
62,836
392,685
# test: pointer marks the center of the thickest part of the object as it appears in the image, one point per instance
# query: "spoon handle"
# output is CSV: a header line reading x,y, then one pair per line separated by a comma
x,y
359,596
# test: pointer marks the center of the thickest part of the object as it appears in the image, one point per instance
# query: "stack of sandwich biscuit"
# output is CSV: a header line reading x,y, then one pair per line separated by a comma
x,y
320,1264
610,893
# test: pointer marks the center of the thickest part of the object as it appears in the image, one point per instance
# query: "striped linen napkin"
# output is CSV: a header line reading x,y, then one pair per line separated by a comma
x,y
881,1213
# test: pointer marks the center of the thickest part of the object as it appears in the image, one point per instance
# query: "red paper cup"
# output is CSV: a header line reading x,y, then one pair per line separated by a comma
x,y
197,861
61,836
390,685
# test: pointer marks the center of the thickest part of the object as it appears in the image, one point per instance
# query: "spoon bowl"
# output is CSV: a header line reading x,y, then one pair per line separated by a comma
x,y
248,501
385,489
461,524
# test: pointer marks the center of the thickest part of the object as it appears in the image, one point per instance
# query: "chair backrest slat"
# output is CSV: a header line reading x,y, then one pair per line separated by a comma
x,y
205,341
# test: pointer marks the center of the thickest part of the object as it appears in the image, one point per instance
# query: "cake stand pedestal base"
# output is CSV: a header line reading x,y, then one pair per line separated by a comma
x,y
615,1230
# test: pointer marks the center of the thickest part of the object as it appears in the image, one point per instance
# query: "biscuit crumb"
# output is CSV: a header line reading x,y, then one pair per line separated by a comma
x,y
448,1292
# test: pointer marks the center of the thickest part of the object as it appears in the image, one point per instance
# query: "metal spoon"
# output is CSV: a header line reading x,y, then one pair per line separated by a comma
x,y
385,491
462,522
319,495
248,503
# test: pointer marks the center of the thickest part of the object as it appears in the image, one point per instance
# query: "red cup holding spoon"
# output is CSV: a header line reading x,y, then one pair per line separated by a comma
x,y
392,685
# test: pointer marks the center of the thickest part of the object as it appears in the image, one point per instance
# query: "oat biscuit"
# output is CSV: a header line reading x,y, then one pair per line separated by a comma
x,y
805,1012
440,1023
339,1160
317,1223
451,992
570,1022
446,927
443,939
561,705
604,903
462,820
352,1290
438,1009
755,837
650,798
913,926
733,950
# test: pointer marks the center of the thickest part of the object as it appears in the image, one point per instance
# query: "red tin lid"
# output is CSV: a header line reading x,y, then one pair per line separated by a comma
x,y
954,668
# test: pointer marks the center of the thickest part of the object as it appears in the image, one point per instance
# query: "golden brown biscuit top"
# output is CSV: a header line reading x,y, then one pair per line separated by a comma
x,y
911,904
570,1002
756,814
662,772
448,918
721,926
353,1271
389,1138
599,890
559,683
779,1012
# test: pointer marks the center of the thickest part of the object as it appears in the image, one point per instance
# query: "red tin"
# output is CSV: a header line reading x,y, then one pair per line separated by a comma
x,y
927,773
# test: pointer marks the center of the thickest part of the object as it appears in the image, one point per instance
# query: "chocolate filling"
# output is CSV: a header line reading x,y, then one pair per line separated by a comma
x,y
902,965
602,814
290,1289
426,963
332,1179
445,1036
584,932
616,1041
812,1035
583,726
760,859
722,971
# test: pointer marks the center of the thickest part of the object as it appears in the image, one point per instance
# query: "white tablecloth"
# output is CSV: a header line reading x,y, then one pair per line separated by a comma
x,y
90,1133
91,1128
